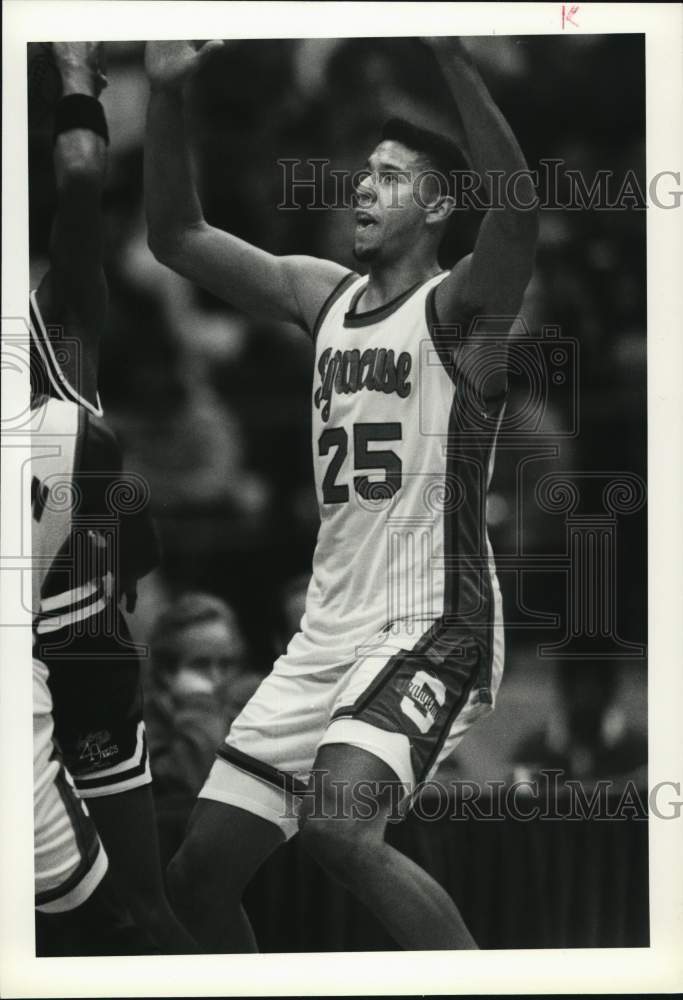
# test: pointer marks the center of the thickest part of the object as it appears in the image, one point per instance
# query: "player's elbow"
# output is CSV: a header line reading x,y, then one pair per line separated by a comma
x,y
166,244
159,244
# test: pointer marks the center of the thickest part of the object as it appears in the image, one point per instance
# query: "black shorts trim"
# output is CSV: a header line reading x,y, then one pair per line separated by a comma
x,y
285,782
91,781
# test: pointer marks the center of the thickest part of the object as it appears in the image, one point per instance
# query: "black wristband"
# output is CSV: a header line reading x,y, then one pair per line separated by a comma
x,y
80,111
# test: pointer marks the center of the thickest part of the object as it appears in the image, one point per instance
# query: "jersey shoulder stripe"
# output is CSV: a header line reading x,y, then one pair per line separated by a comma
x,y
336,292
449,339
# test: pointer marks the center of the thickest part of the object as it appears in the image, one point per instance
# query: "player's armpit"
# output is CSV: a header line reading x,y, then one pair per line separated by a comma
x,y
313,281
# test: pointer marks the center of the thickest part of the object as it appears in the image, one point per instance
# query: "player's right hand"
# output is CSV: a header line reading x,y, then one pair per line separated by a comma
x,y
170,64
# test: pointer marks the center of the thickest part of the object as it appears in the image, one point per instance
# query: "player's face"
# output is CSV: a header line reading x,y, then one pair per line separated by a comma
x,y
388,215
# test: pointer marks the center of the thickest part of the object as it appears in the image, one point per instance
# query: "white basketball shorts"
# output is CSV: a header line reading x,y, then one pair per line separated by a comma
x,y
408,699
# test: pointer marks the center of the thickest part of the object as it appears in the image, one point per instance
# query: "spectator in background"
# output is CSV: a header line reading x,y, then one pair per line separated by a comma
x,y
589,738
198,680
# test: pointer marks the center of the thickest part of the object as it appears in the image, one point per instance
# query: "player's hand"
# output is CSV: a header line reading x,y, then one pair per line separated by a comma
x,y
170,64
81,66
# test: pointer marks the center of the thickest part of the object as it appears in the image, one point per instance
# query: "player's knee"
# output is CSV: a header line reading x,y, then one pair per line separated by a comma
x,y
191,880
338,844
329,841
149,909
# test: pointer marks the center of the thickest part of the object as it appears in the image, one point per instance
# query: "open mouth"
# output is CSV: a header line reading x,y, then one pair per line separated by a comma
x,y
364,220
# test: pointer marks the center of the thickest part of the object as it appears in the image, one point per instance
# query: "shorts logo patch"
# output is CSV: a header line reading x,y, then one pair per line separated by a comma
x,y
425,695
97,747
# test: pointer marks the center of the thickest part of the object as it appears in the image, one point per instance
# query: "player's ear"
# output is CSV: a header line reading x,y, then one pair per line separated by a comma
x,y
440,209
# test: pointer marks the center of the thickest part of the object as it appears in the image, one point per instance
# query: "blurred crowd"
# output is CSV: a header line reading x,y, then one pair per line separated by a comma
x,y
213,409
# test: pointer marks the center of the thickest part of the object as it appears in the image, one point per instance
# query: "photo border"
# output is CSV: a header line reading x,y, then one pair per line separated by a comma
x,y
658,968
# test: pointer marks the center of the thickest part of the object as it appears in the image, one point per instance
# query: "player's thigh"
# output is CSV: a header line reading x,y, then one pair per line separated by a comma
x,y
351,786
223,847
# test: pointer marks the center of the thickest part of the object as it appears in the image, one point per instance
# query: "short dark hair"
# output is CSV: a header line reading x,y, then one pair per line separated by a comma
x,y
444,155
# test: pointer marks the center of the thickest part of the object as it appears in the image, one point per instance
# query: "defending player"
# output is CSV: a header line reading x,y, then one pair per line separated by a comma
x,y
401,644
85,671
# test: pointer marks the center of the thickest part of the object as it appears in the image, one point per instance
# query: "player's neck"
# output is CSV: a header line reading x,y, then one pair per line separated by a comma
x,y
387,281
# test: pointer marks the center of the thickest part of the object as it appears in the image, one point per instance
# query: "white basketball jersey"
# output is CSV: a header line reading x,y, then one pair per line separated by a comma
x,y
400,484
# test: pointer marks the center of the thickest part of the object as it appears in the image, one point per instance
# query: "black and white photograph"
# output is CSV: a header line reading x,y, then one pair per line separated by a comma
x,y
339,408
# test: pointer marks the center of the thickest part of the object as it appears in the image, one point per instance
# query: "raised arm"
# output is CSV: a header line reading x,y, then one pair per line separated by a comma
x,y
291,289
73,291
491,280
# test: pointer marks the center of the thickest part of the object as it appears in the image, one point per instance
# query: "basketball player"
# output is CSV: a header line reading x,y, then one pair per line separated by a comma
x,y
401,644
88,702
